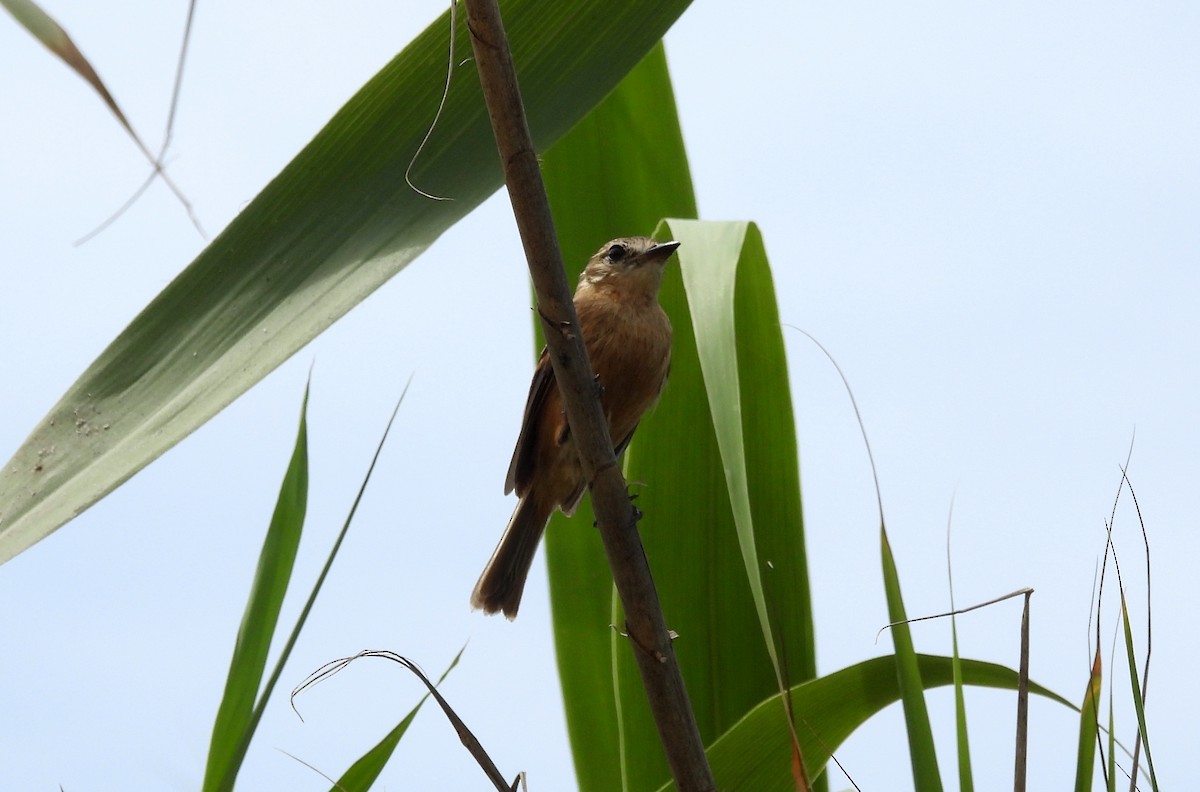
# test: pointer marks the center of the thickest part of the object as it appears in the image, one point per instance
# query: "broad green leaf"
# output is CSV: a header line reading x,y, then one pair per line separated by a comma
x,y
755,754
335,224
236,719
629,156
706,554
908,675
615,174
1089,729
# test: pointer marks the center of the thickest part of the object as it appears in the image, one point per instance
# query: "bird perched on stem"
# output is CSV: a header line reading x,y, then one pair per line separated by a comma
x,y
628,340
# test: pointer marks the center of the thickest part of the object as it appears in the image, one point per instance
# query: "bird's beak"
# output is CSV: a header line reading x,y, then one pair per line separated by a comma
x,y
660,252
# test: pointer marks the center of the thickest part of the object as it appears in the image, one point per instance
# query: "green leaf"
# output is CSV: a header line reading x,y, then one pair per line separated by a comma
x,y
966,779
335,224
265,697
1089,729
908,675
756,752
1136,691
236,719
1112,746
629,152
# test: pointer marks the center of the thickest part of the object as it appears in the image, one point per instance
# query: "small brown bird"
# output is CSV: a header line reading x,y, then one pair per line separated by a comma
x,y
628,340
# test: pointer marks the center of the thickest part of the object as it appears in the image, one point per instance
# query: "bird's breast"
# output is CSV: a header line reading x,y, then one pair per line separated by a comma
x,y
630,350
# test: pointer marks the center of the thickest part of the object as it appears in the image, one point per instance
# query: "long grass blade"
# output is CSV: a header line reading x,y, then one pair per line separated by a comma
x,y
908,673
235,717
265,697
1138,700
966,780
1089,729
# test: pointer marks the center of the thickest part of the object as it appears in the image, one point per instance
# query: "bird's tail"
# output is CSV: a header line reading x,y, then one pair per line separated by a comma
x,y
503,580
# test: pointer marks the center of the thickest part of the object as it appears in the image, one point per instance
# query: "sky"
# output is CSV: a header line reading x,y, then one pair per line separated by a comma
x,y
988,214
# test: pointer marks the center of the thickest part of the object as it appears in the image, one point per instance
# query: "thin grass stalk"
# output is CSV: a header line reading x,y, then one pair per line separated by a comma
x,y
1022,752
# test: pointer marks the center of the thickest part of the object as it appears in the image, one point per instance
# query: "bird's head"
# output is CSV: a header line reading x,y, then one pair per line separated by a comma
x,y
628,264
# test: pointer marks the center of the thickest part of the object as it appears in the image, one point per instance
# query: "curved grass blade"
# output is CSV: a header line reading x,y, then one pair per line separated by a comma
x,y
335,224
468,739
756,752
364,772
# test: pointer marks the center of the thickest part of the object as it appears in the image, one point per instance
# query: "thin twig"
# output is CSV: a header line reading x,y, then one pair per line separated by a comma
x,y
156,163
644,621
178,88
957,611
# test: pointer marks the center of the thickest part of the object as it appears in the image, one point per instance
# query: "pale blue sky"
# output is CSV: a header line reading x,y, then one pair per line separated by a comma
x,y
988,214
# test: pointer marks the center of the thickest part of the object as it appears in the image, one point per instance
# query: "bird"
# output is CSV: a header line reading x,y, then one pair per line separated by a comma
x,y
628,339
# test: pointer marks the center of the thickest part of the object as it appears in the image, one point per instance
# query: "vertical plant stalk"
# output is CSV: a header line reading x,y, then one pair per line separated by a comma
x,y
644,621
1022,752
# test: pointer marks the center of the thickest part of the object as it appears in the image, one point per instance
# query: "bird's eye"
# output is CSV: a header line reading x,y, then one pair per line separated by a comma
x,y
616,253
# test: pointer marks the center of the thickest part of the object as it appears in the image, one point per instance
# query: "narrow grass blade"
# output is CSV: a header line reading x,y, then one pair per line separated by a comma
x,y
235,716
908,674
755,753
1136,692
966,780
1089,729
265,697
337,222
1112,745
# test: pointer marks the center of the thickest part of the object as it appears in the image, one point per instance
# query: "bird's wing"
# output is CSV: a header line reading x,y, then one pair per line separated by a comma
x,y
520,470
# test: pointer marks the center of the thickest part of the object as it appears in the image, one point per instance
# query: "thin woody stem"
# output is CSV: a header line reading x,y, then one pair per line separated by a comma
x,y
610,499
